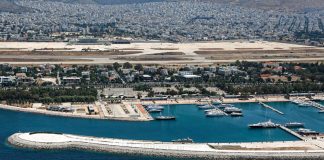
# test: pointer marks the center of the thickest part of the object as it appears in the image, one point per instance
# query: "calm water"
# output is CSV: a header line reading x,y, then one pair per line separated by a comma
x,y
190,122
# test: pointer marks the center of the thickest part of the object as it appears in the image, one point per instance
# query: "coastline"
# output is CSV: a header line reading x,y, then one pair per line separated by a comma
x,y
149,118
62,114
41,141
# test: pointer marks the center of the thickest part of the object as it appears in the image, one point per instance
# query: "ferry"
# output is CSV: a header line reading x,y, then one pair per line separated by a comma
x,y
294,125
267,124
165,118
184,140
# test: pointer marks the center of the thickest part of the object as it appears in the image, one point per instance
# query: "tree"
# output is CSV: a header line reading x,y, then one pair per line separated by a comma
x,y
127,65
139,95
116,65
139,67
150,94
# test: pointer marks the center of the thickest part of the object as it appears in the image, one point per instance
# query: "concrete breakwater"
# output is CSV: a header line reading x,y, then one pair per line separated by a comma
x,y
223,151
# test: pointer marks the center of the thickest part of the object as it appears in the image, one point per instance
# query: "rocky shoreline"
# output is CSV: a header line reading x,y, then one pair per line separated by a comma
x,y
121,148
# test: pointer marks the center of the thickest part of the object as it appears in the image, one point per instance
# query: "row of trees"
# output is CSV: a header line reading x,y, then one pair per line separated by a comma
x,y
48,95
274,88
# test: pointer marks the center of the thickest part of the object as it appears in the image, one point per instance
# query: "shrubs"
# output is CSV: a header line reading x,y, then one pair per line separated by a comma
x,y
48,95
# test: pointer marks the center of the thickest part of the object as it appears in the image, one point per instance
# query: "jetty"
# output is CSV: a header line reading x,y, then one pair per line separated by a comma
x,y
287,150
269,107
290,131
316,105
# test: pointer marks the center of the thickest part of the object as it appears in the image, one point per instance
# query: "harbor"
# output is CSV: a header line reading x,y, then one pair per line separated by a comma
x,y
225,130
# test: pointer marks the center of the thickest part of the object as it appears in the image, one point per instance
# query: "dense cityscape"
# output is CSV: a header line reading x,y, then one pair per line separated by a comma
x,y
170,21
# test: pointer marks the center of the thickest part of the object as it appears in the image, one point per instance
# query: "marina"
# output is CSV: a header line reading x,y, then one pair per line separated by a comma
x,y
190,122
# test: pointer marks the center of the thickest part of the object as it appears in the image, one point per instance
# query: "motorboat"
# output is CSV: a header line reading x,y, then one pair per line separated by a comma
x,y
306,132
236,114
154,107
267,124
222,106
208,106
215,113
232,109
154,110
294,125
165,118
183,140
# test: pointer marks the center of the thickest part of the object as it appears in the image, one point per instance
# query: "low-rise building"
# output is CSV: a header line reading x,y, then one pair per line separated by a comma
x,y
71,80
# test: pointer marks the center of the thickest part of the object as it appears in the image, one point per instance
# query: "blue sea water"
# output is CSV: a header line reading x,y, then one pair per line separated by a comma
x,y
190,122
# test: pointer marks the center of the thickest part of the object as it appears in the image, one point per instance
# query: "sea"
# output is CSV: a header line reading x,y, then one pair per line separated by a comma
x,y
190,122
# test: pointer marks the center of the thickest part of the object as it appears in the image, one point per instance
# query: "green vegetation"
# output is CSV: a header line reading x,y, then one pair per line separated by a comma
x,y
48,95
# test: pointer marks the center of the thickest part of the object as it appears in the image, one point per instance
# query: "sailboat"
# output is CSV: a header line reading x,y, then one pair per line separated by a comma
x,y
165,117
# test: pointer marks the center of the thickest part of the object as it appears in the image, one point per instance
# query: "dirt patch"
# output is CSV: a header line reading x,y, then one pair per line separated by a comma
x,y
165,49
262,56
311,50
130,49
41,60
248,48
169,53
54,49
151,58
211,49
69,53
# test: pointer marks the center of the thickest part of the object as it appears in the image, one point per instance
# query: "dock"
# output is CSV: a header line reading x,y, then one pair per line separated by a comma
x,y
316,105
291,132
269,107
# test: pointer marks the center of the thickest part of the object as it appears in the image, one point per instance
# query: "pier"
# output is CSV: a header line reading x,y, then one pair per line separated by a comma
x,y
291,132
316,105
288,150
267,106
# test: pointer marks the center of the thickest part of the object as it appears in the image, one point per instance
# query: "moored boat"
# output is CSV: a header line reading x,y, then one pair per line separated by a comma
x,y
215,113
183,140
154,110
294,125
154,107
267,124
222,106
306,132
208,106
165,118
236,114
232,109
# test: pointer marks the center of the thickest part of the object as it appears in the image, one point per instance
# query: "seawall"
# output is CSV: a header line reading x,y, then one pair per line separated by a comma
x,y
54,141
